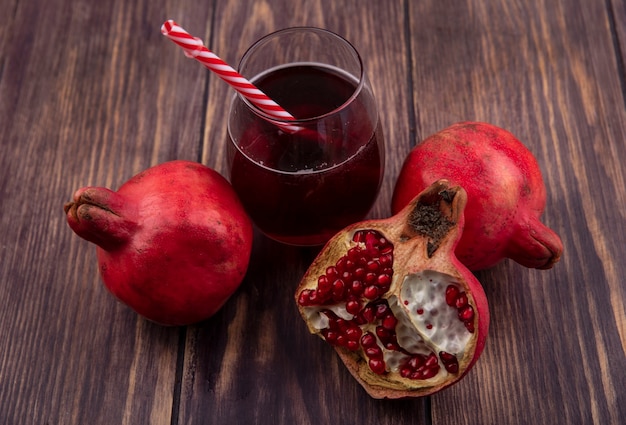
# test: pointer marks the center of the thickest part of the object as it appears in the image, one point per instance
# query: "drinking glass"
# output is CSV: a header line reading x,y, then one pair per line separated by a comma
x,y
302,186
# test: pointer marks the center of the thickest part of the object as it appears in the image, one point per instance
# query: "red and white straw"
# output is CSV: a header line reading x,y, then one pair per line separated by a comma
x,y
194,48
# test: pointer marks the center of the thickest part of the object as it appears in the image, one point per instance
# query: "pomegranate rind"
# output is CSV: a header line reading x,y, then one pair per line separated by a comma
x,y
506,193
416,251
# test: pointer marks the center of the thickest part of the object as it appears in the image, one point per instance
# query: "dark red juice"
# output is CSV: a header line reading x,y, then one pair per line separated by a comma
x,y
302,188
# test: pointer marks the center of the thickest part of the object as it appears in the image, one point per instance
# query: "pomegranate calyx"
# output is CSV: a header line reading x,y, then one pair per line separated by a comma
x,y
100,216
433,214
535,245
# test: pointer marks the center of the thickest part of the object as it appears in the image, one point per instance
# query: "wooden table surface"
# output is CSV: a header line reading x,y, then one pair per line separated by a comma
x,y
91,93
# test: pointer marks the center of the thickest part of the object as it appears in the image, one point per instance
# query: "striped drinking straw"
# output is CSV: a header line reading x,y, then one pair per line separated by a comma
x,y
194,48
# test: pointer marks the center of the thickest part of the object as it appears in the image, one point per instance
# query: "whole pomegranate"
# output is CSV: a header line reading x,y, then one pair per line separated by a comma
x,y
404,315
173,242
506,193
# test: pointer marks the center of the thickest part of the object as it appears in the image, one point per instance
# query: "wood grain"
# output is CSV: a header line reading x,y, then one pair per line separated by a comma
x,y
91,93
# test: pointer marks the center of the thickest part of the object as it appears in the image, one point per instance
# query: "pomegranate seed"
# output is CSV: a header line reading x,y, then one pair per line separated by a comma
x,y
390,322
353,307
415,362
338,289
341,340
382,333
429,326
392,345
449,361
386,260
466,314
330,336
359,272
354,333
352,345
357,288
342,324
303,298
384,280
341,264
378,366
370,292
451,293
331,273
368,340
374,352
461,300
381,310
371,278
431,361
354,253
372,266
369,314
359,236
429,373
470,327
419,310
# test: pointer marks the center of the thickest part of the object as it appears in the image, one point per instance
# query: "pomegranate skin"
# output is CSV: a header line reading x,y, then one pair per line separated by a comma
x,y
173,243
506,194
413,314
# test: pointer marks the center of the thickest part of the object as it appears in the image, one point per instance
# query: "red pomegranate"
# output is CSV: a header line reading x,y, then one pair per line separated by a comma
x,y
404,315
173,243
505,189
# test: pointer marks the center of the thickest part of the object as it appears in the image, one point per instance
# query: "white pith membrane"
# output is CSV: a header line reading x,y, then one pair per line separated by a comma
x,y
426,323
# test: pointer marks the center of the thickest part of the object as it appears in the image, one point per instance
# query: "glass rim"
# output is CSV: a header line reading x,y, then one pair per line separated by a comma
x,y
308,120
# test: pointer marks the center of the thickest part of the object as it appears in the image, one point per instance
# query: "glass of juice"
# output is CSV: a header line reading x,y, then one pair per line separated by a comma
x,y
301,187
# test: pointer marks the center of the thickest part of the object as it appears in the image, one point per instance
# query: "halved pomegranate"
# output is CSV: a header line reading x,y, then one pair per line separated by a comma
x,y
404,315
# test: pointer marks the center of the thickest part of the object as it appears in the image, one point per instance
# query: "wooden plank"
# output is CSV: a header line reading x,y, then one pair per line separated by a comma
x,y
255,361
90,94
548,72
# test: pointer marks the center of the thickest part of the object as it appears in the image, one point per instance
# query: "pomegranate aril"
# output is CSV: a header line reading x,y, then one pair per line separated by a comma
x,y
461,300
332,273
369,314
378,366
354,333
372,266
303,298
431,361
357,288
368,340
341,264
449,361
338,289
384,280
359,272
371,292
466,314
381,310
451,293
427,373
353,307
354,254
330,336
371,278
382,333
352,345
374,352
390,322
